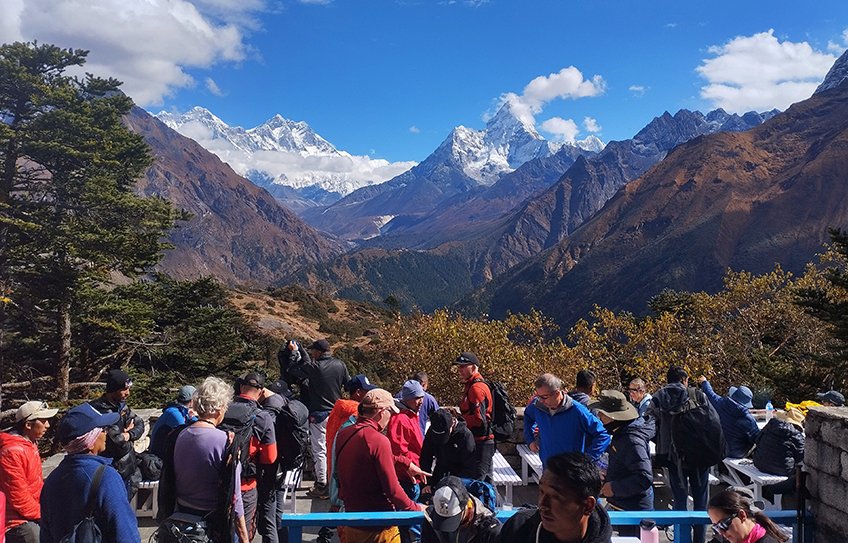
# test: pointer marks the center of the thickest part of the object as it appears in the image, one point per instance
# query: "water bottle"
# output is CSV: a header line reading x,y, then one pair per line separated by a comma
x,y
648,532
769,411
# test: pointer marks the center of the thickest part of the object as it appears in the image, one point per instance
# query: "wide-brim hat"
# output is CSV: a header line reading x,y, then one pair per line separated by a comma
x,y
615,405
741,395
792,416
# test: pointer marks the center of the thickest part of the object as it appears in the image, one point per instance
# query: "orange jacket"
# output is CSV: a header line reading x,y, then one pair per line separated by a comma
x,y
20,478
476,408
342,411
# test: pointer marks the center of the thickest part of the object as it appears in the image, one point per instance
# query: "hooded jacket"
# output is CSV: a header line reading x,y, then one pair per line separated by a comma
x,y
780,447
20,478
176,414
739,427
523,526
404,434
571,428
483,529
630,471
454,457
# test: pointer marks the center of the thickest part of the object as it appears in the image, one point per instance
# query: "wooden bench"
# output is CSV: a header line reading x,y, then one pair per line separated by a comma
x,y
529,460
145,503
742,472
504,475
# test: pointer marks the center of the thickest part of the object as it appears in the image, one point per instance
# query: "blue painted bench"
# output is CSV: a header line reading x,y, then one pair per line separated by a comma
x,y
680,519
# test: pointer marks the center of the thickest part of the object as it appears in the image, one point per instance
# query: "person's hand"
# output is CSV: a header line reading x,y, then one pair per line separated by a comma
x,y
422,507
241,530
426,489
606,490
417,473
130,426
534,447
702,380
192,413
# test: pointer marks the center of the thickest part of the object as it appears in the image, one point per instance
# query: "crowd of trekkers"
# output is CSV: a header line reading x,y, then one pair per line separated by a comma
x,y
221,452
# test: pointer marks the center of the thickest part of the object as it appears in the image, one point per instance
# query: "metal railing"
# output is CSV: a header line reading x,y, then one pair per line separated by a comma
x,y
681,520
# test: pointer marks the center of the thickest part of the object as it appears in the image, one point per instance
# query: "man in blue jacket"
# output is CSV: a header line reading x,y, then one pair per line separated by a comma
x,y
564,424
82,433
739,426
175,414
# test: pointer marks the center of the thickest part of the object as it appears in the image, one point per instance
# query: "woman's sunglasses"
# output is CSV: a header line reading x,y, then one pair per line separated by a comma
x,y
724,524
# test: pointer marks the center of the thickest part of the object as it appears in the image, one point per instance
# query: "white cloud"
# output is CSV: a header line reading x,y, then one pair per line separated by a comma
x,y
567,83
671,25
565,130
760,72
213,87
316,2
638,90
334,171
149,45
414,129
836,47
591,125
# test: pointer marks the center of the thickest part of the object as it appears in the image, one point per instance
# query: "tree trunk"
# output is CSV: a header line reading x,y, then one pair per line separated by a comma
x,y
63,352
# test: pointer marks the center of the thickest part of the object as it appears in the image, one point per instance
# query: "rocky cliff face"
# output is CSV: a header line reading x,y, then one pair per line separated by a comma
x,y
239,233
731,200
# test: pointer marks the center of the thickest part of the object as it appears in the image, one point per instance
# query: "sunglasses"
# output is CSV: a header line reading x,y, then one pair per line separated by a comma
x,y
724,524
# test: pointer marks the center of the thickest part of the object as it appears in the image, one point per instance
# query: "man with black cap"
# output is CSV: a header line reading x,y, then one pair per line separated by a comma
x,y
476,409
831,398
456,515
628,482
20,471
449,442
327,375
175,414
739,426
244,411
128,430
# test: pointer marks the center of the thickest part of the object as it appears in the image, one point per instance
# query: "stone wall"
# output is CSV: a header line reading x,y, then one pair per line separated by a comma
x,y
826,463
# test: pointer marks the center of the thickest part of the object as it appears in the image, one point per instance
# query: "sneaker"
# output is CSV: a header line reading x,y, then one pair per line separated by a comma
x,y
318,491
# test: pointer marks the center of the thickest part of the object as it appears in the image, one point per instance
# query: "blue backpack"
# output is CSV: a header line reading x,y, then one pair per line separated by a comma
x,y
483,491
86,530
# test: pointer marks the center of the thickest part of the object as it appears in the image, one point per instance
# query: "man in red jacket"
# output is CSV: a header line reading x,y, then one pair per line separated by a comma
x,y
365,468
476,409
20,471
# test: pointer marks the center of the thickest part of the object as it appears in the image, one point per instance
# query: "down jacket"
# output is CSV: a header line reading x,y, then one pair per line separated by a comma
x,y
20,478
455,457
120,451
630,471
780,447
739,427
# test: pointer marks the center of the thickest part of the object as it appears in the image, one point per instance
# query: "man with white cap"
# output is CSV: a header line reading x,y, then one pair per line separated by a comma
x,y
455,515
365,467
20,471
739,426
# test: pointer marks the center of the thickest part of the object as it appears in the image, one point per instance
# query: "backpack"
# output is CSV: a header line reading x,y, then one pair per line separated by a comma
x,y
292,429
239,420
696,435
502,424
483,491
86,530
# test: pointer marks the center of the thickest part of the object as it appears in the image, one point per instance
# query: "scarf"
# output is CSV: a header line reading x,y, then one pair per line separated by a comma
x,y
756,533
83,443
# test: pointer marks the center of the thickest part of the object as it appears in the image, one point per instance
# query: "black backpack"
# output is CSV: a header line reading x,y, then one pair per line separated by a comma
x,y
239,420
292,430
86,530
696,434
502,424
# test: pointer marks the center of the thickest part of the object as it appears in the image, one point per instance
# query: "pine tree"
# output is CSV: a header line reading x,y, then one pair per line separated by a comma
x,y
829,304
68,214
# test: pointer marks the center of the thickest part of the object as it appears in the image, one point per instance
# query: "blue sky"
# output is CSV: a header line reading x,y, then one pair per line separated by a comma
x,y
390,79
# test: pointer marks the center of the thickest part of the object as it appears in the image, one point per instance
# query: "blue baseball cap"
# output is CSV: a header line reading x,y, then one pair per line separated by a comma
x,y
359,382
411,389
82,419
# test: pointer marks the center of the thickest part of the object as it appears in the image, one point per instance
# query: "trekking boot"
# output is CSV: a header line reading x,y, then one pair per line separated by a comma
x,y
318,491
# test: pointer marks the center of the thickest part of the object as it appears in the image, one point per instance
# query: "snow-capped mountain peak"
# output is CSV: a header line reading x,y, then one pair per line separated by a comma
x,y
836,75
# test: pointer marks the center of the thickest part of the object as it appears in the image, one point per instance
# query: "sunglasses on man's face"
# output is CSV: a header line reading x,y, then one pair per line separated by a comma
x,y
724,524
